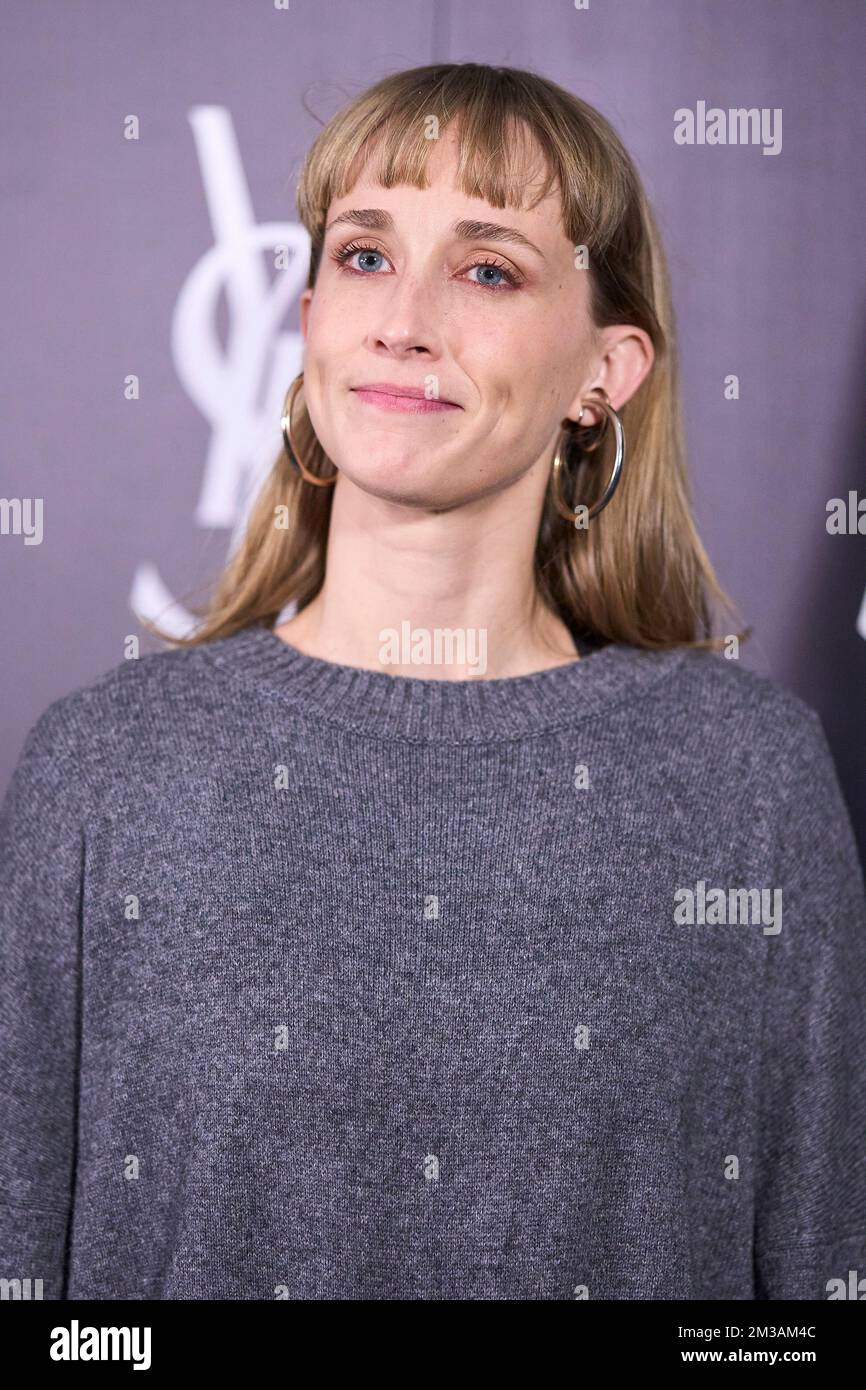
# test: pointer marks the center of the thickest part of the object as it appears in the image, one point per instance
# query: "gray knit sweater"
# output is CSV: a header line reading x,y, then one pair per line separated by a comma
x,y
319,983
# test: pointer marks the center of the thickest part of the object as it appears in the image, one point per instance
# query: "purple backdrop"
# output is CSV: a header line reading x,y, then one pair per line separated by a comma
x,y
141,258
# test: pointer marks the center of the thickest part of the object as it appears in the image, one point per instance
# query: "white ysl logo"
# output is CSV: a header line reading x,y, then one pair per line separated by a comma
x,y
239,388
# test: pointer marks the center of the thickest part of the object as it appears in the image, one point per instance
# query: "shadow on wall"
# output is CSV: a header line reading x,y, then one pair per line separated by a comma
x,y
829,666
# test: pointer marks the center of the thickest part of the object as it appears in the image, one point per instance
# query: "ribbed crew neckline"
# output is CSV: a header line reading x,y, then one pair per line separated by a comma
x,y
417,709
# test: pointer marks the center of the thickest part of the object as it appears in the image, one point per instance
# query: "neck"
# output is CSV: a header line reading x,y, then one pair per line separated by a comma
x,y
442,595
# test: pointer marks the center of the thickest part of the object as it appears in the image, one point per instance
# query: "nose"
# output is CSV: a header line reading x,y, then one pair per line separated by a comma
x,y
405,320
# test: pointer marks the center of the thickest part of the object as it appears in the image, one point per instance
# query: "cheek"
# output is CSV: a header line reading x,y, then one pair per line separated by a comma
x,y
530,384
322,321
330,350
489,344
533,348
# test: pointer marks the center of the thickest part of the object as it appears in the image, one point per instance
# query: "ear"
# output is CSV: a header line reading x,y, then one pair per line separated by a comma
x,y
626,356
304,301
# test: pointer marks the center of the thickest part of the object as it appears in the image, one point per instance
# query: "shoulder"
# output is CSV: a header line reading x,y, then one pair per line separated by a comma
x,y
727,700
757,754
79,740
762,744
749,738
122,692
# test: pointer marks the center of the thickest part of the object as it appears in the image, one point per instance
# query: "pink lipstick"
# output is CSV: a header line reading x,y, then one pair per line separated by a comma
x,y
409,399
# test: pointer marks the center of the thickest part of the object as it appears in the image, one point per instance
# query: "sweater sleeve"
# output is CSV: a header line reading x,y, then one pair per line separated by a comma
x,y
41,855
810,1193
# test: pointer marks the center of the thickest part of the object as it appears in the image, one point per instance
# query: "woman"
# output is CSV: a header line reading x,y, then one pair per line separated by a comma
x,y
448,918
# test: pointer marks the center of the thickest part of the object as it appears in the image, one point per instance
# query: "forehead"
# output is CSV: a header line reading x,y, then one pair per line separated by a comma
x,y
443,199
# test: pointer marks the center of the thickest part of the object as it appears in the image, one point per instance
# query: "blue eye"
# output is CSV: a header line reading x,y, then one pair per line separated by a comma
x,y
368,251
497,270
508,278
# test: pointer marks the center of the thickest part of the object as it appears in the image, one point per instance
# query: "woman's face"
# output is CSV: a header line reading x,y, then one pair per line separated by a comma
x,y
497,326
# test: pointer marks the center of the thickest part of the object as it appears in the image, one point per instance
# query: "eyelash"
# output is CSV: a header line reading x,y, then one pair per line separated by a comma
x,y
345,253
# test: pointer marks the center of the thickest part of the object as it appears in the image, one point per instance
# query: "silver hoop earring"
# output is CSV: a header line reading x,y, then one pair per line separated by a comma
x,y
601,402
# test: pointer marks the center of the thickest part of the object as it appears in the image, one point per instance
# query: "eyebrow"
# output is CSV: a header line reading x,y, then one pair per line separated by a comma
x,y
378,219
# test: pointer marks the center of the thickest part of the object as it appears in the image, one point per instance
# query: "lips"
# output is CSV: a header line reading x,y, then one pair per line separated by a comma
x,y
395,389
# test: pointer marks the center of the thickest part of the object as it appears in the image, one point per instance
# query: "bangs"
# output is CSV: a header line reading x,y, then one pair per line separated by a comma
x,y
512,150
501,164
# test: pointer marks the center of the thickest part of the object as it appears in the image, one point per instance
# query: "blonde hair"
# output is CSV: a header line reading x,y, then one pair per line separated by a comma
x,y
637,573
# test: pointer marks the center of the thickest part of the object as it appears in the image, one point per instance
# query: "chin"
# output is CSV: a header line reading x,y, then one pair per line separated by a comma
x,y
400,476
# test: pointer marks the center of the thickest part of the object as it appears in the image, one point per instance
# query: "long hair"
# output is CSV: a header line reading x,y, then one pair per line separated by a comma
x,y
638,573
